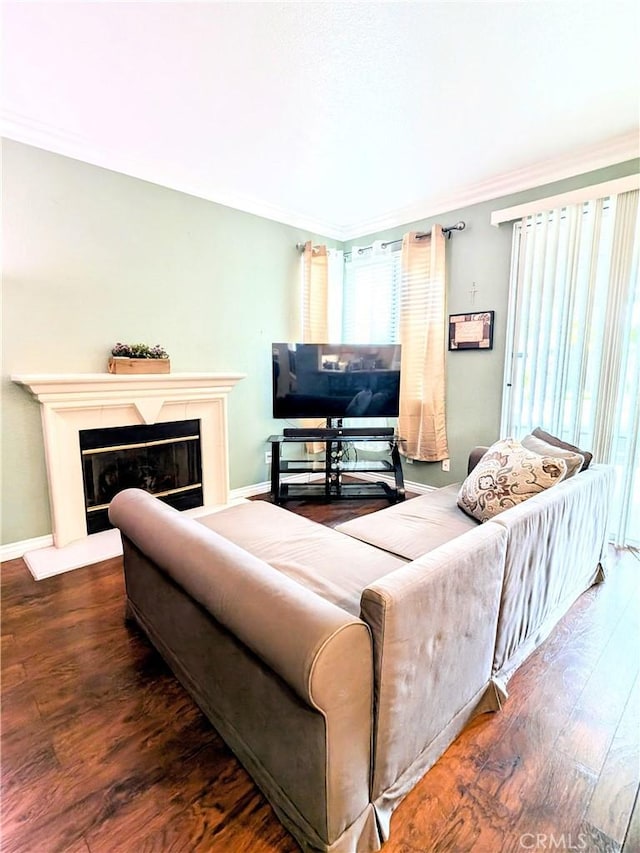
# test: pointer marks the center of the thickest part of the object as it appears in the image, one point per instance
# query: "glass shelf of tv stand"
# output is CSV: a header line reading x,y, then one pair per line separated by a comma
x,y
329,483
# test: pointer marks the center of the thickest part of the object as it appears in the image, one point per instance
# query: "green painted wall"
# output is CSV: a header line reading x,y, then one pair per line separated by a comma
x,y
92,257
481,254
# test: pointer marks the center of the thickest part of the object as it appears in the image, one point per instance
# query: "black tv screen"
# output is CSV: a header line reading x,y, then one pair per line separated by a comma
x,y
336,380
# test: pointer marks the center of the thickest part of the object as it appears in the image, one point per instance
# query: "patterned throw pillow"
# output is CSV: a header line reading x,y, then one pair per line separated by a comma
x,y
506,475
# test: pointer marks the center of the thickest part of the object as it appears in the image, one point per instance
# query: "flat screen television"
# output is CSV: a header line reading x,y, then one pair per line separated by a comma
x,y
336,380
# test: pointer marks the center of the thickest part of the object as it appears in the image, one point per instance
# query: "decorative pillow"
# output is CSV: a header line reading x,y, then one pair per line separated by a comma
x,y
574,460
507,475
538,432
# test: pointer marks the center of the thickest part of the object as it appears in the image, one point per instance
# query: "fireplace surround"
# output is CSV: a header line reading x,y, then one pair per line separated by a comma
x,y
71,403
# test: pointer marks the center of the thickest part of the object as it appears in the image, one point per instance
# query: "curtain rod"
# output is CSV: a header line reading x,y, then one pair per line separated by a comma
x,y
459,226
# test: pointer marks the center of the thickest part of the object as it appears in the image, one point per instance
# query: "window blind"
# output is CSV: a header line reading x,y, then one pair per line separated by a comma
x,y
371,295
573,354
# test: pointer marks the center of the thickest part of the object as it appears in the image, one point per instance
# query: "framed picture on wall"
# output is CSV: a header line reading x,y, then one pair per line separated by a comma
x,y
471,331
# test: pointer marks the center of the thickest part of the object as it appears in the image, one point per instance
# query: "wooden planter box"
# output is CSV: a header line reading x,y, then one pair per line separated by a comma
x,y
118,364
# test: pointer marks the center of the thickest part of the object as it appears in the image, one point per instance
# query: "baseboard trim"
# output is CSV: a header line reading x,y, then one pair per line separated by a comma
x,y
250,491
262,488
15,550
409,485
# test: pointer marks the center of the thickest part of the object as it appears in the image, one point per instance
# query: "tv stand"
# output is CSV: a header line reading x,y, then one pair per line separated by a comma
x,y
329,484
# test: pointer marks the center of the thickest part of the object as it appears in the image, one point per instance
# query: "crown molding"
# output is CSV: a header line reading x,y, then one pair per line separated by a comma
x,y
618,149
41,135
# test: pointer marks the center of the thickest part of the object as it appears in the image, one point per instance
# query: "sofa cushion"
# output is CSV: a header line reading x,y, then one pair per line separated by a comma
x,y
507,475
574,461
334,566
413,527
538,432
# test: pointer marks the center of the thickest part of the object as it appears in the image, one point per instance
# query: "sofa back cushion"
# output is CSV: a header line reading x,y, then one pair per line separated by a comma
x,y
555,544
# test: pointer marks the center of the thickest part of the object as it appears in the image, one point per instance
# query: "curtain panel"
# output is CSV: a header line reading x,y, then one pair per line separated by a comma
x,y
422,324
315,311
315,294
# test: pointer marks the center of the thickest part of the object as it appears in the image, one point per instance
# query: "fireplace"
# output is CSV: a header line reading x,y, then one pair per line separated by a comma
x,y
163,459
73,405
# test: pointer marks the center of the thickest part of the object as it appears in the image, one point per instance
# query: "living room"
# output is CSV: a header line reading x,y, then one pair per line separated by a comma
x,y
100,246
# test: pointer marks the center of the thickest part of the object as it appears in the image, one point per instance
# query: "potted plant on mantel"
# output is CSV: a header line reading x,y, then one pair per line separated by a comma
x,y
138,358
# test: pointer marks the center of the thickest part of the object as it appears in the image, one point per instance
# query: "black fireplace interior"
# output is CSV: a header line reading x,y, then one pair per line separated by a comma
x,y
163,459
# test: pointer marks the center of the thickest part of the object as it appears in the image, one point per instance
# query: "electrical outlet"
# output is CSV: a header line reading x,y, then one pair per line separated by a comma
x,y
446,464
267,457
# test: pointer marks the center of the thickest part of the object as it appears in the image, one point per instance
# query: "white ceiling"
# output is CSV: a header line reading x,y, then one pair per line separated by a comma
x,y
341,117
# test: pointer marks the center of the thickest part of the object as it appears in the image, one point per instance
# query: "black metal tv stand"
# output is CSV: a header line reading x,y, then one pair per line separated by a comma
x,y
329,483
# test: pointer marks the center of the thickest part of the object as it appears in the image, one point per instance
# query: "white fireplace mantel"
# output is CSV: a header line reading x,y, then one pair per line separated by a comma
x,y
63,387
73,402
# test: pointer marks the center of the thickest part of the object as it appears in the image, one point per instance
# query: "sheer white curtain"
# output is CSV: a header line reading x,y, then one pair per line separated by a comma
x,y
573,366
371,302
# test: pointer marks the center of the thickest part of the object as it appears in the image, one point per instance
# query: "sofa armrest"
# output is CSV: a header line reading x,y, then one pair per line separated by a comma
x,y
475,456
259,605
285,676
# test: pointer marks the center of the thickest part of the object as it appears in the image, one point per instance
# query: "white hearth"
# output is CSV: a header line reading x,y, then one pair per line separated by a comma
x,y
73,402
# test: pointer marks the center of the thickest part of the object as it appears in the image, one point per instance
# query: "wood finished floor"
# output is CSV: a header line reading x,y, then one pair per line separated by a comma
x,y
103,751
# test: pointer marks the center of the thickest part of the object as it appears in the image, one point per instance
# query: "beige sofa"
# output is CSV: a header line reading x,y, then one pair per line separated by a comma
x,y
338,665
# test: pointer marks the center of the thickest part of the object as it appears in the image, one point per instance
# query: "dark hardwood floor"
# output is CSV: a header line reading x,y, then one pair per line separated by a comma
x,y
103,751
